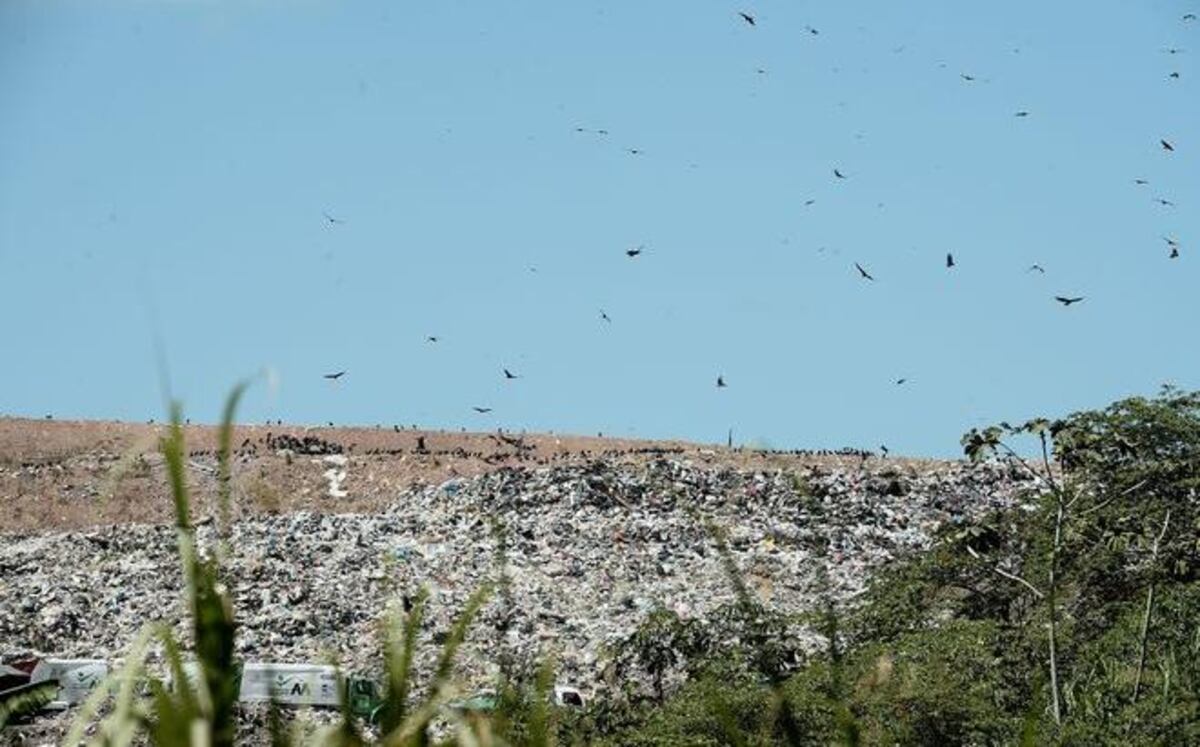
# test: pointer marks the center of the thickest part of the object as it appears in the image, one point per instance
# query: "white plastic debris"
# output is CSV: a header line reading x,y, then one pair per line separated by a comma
x,y
76,678
290,684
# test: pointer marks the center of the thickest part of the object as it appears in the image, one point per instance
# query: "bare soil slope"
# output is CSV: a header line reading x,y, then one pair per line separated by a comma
x,y
69,475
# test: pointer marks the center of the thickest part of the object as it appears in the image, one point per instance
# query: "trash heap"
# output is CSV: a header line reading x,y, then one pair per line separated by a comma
x,y
589,549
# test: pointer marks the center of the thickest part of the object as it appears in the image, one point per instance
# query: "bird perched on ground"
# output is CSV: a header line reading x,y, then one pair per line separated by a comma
x,y
1068,300
1167,146
635,251
335,376
1039,268
482,410
747,18
866,275
509,374
884,449
331,219
721,382
949,259
839,174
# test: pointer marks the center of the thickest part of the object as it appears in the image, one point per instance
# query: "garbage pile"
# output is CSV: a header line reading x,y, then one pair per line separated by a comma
x,y
589,549
298,444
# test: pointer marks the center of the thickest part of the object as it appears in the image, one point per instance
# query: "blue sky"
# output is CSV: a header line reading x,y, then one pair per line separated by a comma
x,y
172,160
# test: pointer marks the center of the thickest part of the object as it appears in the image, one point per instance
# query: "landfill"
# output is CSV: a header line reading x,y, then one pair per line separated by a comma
x,y
588,550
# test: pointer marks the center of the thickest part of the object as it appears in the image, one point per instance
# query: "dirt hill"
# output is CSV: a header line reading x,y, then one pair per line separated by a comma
x,y
63,475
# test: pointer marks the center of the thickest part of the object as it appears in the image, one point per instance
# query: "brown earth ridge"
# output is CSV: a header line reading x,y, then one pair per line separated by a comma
x,y
58,475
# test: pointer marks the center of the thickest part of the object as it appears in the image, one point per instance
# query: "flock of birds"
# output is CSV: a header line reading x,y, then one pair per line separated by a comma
x,y
633,253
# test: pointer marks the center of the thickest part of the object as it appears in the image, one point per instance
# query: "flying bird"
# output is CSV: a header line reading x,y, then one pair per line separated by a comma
x,y
635,251
811,30
432,338
1167,146
900,381
1174,75
949,259
1174,253
968,78
604,316
839,174
1189,17
335,376
1141,182
1021,113
331,219
721,382
1039,268
633,151
866,275
1067,301
1170,241
1165,203
747,18
809,202
482,410
510,375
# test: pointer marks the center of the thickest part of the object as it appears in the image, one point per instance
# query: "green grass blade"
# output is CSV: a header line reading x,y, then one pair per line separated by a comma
x,y
28,702
458,634
541,719
225,452
399,660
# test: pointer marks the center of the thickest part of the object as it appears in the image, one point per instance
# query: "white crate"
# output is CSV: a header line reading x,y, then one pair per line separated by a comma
x,y
76,678
291,684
